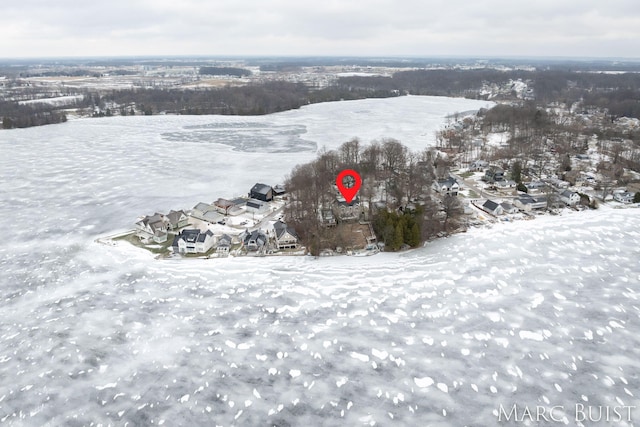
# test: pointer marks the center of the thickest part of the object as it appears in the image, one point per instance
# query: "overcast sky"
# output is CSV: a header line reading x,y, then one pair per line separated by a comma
x,y
573,28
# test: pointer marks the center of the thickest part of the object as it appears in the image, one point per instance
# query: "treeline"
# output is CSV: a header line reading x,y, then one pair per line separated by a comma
x,y
15,115
225,71
619,93
395,194
253,99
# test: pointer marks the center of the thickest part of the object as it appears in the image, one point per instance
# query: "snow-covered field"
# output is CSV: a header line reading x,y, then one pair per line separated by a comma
x,y
542,312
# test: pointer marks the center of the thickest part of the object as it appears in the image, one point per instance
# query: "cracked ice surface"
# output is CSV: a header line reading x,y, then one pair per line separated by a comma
x,y
542,312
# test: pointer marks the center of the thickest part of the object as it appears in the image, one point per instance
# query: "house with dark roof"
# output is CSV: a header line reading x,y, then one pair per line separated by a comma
x,y
257,206
447,186
261,192
479,165
224,244
493,174
193,241
254,240
286,237
185,241
492,207
570,198
205,242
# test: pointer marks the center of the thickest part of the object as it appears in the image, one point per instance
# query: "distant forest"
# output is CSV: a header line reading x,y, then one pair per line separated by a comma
x,y
225,71
619,93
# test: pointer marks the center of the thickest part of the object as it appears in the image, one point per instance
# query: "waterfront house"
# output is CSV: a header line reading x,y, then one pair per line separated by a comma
x,y
623,197
492,207
224,244
153,227
570,198
261,192
177,219
255,240
286,237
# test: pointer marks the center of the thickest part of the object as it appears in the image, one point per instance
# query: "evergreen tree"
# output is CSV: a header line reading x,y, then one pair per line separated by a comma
x,y
398,239
516,172
636,197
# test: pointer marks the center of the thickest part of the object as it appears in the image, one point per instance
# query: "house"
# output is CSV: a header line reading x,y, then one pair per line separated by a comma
x,y
493,174
508,208
447,186
224,244
261,192
569,197
279,190
286,237
505,184
348,211
478,165
257,206
177,219
212,217
327,218
492,207
535,185
193,241
623,197
255,240
153,227
223,206
185,241
200,210
528,203
205,242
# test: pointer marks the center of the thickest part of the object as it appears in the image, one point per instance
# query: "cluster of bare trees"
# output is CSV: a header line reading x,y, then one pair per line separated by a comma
x,y
394,179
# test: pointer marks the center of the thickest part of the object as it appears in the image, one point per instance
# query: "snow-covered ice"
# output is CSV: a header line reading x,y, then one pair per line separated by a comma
x,y
542,312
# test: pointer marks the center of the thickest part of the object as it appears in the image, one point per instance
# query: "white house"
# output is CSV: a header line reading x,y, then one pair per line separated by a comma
x,y
570,198
447,186
286,237
479,165
492,207
508,208
528,203
224,244
193,241
623,197
205,242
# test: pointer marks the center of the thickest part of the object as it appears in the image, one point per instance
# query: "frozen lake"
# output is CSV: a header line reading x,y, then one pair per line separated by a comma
x,y
542,312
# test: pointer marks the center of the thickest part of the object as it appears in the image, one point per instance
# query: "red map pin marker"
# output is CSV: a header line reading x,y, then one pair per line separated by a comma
x,y
350,189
